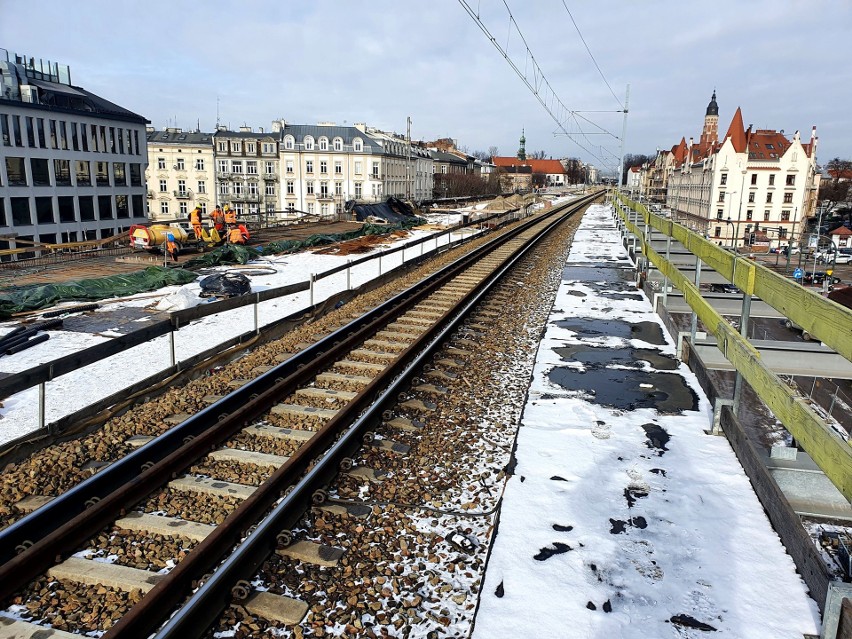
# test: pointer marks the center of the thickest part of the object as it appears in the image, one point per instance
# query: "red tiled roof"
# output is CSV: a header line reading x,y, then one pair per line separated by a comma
x,y
766,144
737,132
841,231
549,167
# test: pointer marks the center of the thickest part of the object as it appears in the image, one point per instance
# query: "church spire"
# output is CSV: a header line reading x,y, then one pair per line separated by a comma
x,y
522,152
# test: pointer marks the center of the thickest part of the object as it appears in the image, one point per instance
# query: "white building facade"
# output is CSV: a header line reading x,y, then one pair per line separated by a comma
x,y
71,163
247,171
180,173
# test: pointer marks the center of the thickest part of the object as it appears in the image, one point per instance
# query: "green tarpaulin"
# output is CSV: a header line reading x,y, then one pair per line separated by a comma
x,y
31,298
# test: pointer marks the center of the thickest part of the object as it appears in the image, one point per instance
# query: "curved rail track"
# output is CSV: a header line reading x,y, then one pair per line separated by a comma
x,y
314,411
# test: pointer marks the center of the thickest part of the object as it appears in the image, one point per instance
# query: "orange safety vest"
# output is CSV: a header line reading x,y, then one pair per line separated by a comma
x,y
217,216
235,236
195,217
230,217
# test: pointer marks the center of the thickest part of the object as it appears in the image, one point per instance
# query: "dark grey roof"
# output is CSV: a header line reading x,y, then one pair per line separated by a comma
x,y
55,96
184,137
443,156
253,135
347,133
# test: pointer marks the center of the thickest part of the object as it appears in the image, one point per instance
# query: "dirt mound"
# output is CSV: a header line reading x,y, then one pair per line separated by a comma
x,y
362,244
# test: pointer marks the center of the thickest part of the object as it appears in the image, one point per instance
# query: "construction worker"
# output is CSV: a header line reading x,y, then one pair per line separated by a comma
x,y
195,220
236,236
218,218
230,217
172,247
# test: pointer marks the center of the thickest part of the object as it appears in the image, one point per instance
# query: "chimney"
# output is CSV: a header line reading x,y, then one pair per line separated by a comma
x,y
261,129
245,129
278,125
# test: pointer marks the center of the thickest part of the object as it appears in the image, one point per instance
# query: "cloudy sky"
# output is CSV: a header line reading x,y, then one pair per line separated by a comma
x,y
785,62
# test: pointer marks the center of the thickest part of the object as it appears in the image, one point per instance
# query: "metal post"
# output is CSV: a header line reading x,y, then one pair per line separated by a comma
x,y
833,399
41,405
313,277
744,319
380,264
256,321
348,275
694,322
172,346
666,277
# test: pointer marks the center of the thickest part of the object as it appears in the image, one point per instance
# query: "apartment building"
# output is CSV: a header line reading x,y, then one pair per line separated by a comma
x,y
754,183
247,171
72,165
180,173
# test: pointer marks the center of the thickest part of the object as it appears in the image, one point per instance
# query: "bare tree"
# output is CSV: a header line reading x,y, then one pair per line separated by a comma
x,y
631,160
493,152
537,155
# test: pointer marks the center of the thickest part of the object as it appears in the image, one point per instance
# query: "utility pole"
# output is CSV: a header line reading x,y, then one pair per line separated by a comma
x,y
408,171
623,134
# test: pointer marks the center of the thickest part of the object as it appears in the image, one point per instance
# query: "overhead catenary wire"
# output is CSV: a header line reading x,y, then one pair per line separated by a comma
x,y
541,88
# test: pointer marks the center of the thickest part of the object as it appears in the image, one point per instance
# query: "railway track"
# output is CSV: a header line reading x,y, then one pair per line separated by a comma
x,y
256,460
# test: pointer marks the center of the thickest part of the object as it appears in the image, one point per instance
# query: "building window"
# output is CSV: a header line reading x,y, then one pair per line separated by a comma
x,y
766,216
375,169
44,210
309,143
252,188
21,211
164,208
202,186
181,166
791,180
119,173
772,180
751,197
163,186
181,188
357,168
323,189
4,130
782,233
291,187
182,208
62,172
357,145
236,147
238,188
270,168
749,213
753,179
289,166
199,164
223,147
309,187
289,142
161,164
30,132
203,206
718,231
66,209
721,196
87,207
788,198
311,208
769,196
358,190
135,175
223,166
84,173
724,179
268,147
40,170
223,189
236,166
324,210
338,144
718,214
338,188
785,216
84,137
323,144
122,209
270,188
291,207
323,166
309,166
250,147
251,167
338,167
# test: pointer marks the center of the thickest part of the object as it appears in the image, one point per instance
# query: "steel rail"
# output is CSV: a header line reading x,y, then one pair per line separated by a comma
x,y
207,604
80,513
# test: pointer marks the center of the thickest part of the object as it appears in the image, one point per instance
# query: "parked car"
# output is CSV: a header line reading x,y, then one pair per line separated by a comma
x,y
795,327
724,288
818,278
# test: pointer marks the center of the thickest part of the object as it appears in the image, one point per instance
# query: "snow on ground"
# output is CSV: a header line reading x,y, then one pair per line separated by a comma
x,y
604,533
74,391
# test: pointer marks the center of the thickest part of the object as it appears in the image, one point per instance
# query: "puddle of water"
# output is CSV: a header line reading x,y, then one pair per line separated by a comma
x,y
596,273
657,437
557,549
561,528
595,356
587,327
619,388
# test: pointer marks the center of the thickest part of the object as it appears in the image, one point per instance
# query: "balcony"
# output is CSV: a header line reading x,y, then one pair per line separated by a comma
x,y
183,195
270,177
247,197
150,195
325,196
